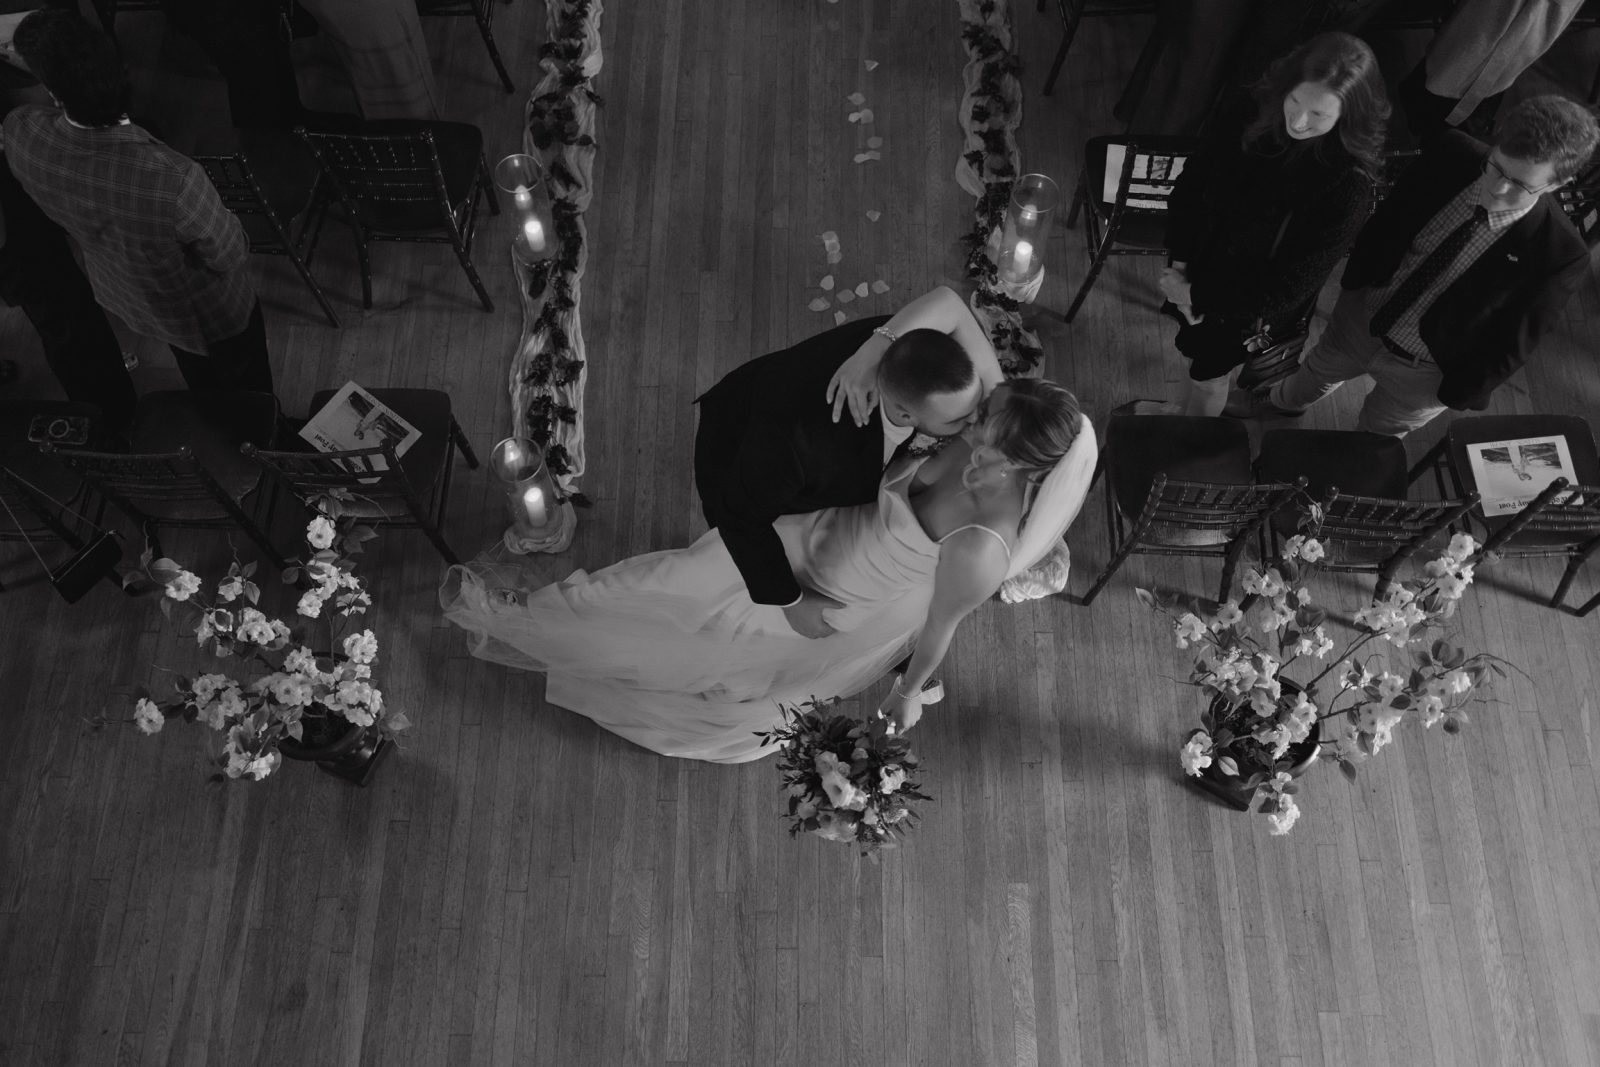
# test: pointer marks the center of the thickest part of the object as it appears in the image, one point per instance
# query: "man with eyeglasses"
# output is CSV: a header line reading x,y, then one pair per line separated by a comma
x,y
1454,279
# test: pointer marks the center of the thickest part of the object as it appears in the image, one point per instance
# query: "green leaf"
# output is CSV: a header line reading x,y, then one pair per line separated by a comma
x,y
1146,597
1227,766
1348,769
248,569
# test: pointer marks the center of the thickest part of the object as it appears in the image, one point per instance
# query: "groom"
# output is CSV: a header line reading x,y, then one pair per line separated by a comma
x,y
768,444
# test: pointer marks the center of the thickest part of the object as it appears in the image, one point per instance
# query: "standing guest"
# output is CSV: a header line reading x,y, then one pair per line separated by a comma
x,y
1258,219
1459,274
159,247
39,275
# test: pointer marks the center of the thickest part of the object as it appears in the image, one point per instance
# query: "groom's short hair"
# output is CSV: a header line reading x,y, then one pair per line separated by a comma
x,y
925,362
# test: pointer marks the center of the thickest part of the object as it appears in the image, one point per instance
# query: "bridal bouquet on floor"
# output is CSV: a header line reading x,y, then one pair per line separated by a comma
x,y
847,780
301,696
1262,727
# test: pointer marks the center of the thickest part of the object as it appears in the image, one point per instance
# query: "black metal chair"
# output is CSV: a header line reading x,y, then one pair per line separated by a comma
x,y
399,179
1073,12
410,491
1134,223
481,12
262,210
1557,515
1182,486
1372,530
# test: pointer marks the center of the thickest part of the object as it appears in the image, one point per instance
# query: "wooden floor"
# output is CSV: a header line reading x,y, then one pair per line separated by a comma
x,y
520,887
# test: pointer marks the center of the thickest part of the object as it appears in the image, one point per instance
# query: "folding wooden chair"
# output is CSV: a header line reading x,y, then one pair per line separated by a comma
x,y
1134,223
481,12
1073,12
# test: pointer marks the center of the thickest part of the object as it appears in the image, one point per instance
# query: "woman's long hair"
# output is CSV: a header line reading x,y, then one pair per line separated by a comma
x,y
1350,71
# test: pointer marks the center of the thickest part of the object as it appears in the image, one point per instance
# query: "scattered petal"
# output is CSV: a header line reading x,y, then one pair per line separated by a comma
x,y
854,116
839,317
844,296
818,304
874,142
862,157
874,215
872,64
866,115
826,283
857,99
880,286
861,290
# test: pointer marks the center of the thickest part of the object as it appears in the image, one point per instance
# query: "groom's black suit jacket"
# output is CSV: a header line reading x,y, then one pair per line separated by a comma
x,y
768,446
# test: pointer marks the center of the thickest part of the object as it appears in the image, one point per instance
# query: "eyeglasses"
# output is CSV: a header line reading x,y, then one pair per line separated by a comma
x,y
1492,168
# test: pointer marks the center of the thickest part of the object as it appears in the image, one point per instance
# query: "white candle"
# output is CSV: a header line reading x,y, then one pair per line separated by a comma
x,y
533,233
533,506
1021,259
1030,215
522,198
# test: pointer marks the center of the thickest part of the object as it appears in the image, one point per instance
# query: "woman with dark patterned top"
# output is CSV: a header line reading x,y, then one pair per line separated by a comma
x,y
1266,208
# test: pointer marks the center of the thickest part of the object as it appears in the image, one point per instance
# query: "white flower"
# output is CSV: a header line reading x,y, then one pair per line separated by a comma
x,y
263,765
320,533
1431,707
1461,546
1378,722
1451,586
1266,583
1458,682
230,702
1345,749
1189,627
1194,757
1278,738
890,779
310,604
843,793
1227,615
292,689
301,661
148,716
361,647
1284,818
1390,686
1312,550
255,628
230,588
183,585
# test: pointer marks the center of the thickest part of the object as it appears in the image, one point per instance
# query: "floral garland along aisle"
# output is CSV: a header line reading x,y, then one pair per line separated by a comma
x,y
991,109
548,372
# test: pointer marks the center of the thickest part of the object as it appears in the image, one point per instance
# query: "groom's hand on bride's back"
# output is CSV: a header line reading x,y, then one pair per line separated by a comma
x,y
805,614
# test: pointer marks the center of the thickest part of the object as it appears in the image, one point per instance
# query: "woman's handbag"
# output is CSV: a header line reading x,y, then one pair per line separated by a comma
x,y
1271,360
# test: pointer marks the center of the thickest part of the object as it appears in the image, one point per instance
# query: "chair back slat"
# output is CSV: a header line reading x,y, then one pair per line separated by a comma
x,y
1574,511
235,184
401,168
364,471
166,476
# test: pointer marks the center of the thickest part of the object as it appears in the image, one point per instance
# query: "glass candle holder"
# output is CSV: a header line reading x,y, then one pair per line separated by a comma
x,y
520,177
530,492
1034,198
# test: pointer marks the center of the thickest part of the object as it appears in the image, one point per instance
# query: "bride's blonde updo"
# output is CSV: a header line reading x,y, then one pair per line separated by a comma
x,y
1032,422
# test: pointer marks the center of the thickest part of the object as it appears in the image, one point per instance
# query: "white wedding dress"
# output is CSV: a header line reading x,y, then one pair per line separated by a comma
x,y
669,651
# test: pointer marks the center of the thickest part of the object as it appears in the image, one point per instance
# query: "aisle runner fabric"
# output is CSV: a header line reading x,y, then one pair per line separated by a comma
x,y
548,371
991,109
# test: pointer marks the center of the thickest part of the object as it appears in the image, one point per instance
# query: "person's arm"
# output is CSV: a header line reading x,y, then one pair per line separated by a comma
x,y
1466,385
972,564
207,228
856,381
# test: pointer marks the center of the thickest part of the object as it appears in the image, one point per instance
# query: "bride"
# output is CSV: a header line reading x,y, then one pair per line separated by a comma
x,y
669,651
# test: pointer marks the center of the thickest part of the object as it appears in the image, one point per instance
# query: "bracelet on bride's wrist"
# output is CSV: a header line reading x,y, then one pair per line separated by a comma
x,y
885,332
896,691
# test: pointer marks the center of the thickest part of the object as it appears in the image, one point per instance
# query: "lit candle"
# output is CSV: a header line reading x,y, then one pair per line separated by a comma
x,y
533,233
1021,259
533,506
1030,215
523,198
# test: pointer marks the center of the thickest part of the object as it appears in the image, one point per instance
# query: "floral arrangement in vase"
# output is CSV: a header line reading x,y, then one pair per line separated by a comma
x,y
847,780
1263,726
301,698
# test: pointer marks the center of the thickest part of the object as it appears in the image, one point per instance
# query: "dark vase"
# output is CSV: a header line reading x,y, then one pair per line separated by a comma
x,y
339,748
1232,791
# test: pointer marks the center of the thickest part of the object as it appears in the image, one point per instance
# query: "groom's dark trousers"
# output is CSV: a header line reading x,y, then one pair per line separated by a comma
x,y
768,446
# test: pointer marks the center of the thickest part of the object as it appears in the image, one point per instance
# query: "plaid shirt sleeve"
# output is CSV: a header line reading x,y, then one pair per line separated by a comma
x,y
207,227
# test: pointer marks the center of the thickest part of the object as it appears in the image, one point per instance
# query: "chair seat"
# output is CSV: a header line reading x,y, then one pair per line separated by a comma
x,y
1353,461
1477,429
429,411
1184,448
212,425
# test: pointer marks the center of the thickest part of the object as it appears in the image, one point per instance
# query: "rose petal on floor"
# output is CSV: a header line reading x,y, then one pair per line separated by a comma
x,y
862,157
826,283
857,99
874,215
845,296
834,257
818,304
880,286
861,290
874,142
839,317
872,64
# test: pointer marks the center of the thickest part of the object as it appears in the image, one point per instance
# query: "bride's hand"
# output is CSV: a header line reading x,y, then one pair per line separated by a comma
x,y
902,712
856,381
